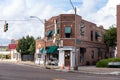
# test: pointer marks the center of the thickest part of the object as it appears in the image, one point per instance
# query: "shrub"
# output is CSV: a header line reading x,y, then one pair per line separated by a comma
x,y
104,62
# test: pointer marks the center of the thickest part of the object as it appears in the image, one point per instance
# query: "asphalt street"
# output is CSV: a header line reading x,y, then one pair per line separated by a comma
x,y
12,71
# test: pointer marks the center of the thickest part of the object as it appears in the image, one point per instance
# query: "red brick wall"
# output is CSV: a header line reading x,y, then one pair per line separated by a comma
x,y
40,43
118,31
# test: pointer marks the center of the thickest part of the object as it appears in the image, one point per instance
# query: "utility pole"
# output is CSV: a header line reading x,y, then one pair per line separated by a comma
x,y
76,55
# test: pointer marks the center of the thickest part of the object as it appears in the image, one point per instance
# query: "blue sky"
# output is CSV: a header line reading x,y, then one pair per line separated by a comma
x,y
101,12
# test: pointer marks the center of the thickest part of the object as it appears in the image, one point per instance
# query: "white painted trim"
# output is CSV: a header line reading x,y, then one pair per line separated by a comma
x,y
66,48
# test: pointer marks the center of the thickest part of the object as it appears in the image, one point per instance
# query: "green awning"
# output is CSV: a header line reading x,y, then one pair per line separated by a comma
x,y
67,30
48,33
52,49
52,33
41,50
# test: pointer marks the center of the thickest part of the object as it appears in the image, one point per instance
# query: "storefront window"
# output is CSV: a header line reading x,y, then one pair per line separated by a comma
x,y
82,52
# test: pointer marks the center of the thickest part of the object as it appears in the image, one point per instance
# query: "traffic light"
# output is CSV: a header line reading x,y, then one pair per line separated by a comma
x,y
5,26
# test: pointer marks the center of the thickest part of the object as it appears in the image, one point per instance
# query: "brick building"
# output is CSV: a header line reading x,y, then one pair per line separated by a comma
x,y
118,31
60,31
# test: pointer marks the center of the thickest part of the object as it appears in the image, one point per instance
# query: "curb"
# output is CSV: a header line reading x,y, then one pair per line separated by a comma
x,y
84,72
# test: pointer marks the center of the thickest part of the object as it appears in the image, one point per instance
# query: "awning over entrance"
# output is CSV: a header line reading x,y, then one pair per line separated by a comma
x,y
52,49
67,30
49,50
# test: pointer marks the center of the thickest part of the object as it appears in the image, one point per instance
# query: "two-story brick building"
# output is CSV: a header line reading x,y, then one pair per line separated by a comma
x,y
83,46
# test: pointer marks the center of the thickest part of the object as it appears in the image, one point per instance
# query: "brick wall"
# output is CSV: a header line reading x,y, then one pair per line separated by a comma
x,y
118,31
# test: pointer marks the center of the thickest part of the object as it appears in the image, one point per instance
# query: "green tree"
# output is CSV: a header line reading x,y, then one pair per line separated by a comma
x,y
38,37
110,37
26,45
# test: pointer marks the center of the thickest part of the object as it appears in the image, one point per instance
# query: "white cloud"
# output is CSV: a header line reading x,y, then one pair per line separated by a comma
x,y
101,12
105,16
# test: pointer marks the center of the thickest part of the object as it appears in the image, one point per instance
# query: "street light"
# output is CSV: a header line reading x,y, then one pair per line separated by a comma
x,y
37,18
44,40
75,11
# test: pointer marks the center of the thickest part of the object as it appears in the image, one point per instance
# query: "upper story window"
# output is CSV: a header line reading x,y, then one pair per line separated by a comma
x,y
58,30
49,34
96,36
91,35
82,28
67,32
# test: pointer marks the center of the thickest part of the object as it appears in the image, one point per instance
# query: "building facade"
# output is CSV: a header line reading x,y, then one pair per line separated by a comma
x,y
118,31
39,58
82,44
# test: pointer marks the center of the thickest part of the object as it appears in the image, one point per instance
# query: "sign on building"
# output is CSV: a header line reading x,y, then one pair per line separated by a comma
x,y
12,46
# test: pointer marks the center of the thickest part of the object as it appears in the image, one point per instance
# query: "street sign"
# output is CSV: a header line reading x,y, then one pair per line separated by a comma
x,y
12,46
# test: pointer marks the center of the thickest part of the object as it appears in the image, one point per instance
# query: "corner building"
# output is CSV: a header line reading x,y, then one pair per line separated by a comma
x,y
89,46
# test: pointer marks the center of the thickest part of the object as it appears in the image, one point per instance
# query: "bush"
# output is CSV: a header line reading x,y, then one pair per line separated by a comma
x,y
104,62
3,56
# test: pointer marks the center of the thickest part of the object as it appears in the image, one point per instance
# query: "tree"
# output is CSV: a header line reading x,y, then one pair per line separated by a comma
x,y
110,37
26,45
38,37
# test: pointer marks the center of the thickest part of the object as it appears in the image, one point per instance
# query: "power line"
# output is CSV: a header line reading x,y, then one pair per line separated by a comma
x,y
13,20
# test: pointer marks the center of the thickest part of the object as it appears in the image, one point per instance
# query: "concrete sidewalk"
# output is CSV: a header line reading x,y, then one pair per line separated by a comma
x,y
81,69
95,70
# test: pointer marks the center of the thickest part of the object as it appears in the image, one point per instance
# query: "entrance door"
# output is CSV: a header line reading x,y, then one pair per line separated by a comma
x,y
67,58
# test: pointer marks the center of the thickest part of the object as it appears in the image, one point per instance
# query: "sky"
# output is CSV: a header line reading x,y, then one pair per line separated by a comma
x,y
17,14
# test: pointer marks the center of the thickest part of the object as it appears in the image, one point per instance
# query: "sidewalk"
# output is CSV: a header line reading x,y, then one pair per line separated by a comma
x,y
81,69
94,70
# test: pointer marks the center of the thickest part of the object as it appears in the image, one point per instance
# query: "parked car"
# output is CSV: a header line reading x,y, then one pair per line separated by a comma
x,y
53,61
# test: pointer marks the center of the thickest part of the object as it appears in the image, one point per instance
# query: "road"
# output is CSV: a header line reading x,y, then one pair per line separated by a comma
x,y
12,71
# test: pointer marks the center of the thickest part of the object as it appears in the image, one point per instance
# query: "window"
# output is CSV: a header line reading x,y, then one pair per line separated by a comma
x,y
67,35
92,55
67,32
99,53
82,52
97,35
82,28
58,31
49,34
91,35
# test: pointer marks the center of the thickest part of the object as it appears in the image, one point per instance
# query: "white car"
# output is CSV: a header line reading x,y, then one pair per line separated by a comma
x,y
53,61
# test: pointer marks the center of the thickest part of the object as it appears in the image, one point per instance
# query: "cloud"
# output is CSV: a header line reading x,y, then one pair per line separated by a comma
x,y
103,15
18,12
